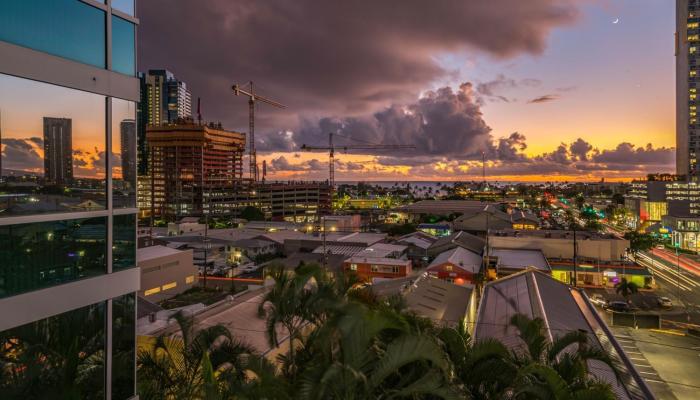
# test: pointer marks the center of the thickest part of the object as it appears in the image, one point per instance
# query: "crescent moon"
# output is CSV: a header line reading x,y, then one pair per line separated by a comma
x,y
616,20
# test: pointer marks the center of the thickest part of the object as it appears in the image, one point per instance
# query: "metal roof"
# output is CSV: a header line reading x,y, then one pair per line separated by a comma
x,y
149,253
439,300
563,309
520,259
459,257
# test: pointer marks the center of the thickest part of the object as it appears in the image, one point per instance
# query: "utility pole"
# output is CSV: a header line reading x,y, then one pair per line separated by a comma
x,y
575,255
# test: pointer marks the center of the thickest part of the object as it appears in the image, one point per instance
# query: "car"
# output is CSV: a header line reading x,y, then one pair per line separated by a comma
x,y
598,300
618,306
664,302
660,246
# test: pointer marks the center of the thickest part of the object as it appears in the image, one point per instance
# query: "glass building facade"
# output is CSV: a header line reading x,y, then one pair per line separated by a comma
x,y
68,142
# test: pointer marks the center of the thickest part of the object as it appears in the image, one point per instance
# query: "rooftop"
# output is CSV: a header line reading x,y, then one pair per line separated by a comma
x,y
439,300
463,239
419,239
459,257
442,206
563,309
554,234
382,250
149,253
377,260
520,259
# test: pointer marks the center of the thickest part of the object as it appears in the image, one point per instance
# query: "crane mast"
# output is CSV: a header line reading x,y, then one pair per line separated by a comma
x,y
331,148
252,100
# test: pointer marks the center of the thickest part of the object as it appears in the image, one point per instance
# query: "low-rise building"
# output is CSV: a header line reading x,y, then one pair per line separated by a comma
x,y
559,244
462,239
185,226
510,261
457,265
251,249
491,218
165,272
368,268
418,244
442,302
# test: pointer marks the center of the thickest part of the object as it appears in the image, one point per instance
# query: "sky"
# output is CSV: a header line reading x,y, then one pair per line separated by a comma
x,y
545,90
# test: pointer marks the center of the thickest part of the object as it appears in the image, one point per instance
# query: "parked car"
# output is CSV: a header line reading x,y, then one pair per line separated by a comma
x,y
598,300
660,246
618,306
665,302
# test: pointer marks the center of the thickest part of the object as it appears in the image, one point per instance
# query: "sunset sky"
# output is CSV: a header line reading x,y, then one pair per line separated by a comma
x,y
548,89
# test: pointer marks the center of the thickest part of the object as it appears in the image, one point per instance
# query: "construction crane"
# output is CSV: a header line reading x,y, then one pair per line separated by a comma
x,y
332,149
252,99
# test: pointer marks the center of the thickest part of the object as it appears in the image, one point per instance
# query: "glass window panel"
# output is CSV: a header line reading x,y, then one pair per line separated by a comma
x,y
123,346
124,242
123,46
65,28
61,357
42,254
53,148
123,153
125,6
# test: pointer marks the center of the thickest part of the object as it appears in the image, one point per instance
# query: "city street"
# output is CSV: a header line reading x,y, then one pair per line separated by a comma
x,y
667,362
677,279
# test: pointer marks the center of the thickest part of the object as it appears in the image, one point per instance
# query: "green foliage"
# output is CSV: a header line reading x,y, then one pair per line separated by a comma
x,y
251,213
640,241
401,229
350,344
626,288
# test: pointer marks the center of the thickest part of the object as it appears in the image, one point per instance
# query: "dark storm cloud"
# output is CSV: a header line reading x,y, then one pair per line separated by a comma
x,y
281,164
626,153
441,123
21,154
493,90
544,99
330,57
580,149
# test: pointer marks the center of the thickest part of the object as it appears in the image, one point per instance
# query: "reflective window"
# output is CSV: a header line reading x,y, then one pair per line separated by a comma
x,y
124,242
65,28
123,346
42,254
52,148
61,357
123,46
123,153
125,6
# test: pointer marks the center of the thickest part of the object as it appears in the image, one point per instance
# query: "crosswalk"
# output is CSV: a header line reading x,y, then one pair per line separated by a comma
x,y
641,363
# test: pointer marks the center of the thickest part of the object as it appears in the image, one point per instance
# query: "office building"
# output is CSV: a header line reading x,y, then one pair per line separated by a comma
x,y
687,50
127,134
301,202
196,170
58,150
163,100
68,280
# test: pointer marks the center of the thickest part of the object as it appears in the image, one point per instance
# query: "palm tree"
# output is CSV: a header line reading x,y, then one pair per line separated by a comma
x,y
626,288
204,364
293,302
558,368
364,353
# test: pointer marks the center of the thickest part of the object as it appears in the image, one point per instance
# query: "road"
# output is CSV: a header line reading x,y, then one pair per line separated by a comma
x,y
677,280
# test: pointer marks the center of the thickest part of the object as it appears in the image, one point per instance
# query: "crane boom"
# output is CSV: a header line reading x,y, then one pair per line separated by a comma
x,y
332,149
252,99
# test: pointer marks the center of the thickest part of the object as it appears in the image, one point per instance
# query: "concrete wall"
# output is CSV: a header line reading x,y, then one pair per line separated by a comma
x,y
160,272
600,249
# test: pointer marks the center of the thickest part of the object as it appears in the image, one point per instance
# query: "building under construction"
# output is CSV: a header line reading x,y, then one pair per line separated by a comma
x,y
195,170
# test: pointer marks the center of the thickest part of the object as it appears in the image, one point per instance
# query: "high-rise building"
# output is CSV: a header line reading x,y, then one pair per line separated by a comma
x,y
164,100
687,51
58,150
195,170
127,138
68,280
